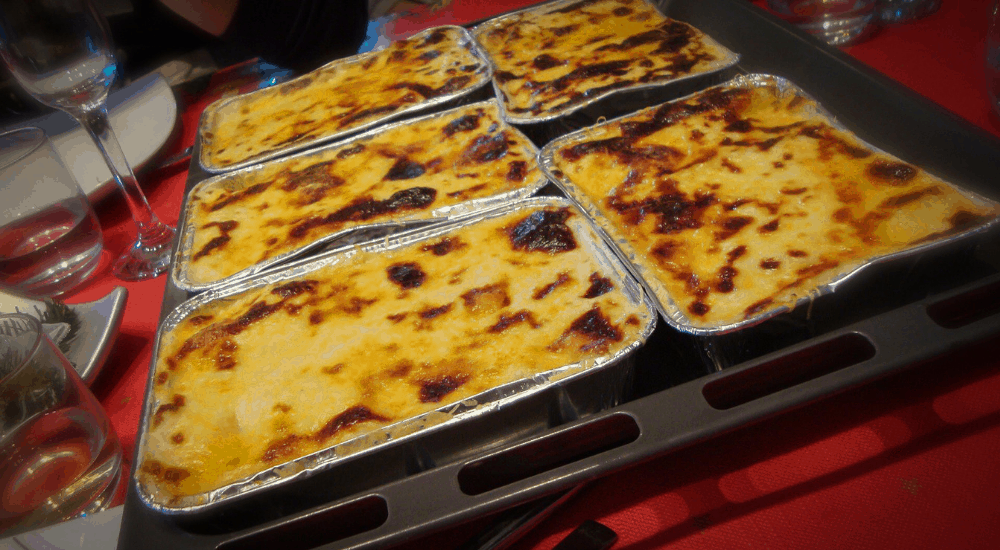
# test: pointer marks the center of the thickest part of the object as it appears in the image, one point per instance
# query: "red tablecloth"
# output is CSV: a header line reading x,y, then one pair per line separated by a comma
x,y
908,462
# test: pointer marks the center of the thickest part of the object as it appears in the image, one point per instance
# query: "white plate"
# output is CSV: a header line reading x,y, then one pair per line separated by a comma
x,y
99,323
142,114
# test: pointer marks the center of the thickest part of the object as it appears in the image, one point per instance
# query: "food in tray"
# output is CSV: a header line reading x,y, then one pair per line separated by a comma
x,y
559,56
401,174
246,383
340,97
746,198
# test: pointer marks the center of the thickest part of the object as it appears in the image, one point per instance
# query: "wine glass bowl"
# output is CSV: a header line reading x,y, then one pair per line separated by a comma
x,y
60,52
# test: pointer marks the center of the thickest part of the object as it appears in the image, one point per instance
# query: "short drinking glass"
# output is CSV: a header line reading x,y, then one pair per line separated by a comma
x,y
59,455
837,22
50,240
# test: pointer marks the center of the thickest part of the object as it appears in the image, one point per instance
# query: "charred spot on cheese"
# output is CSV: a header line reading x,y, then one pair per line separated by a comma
x,y
355,305
444,246
363,209
168,474
218,242
544,291
198,320
174,405
435,37
546,61
731,226
432,312
316,317
675,211
404,169
350,151
282,448
161,378
435,389
487,298
486,148
177,438
462,193
517,170
593,330
769,227
891,173
363,114
429,55
698,308
906,198
795,253
225,201
294,288
506,321
543,231
397,317
724,282
736,253
406,275
599,286
465,123
757,307
770,263
258,311
346,419
226,359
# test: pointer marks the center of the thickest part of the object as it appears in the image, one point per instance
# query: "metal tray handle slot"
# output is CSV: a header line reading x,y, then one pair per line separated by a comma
x,y
972,306
316,529
547,453
788,370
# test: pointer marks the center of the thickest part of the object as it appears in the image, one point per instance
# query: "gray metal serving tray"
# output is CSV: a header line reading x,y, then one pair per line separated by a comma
x,y
887,320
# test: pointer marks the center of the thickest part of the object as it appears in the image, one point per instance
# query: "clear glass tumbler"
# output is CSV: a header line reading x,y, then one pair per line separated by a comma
x,y
59,455
50,240
837,22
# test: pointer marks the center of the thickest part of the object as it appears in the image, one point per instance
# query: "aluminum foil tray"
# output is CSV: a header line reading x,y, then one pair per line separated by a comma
x,y
373,230
675,312
473,70
616,360
606,95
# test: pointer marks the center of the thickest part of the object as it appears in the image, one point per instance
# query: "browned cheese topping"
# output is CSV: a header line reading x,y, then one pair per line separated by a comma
x,y
555,57
339,97
250,382
743,200
399,175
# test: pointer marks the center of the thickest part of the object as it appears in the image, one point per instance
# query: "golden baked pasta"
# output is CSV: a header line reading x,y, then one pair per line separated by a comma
x,y
249,382
559,56
744,199
402,174
340,97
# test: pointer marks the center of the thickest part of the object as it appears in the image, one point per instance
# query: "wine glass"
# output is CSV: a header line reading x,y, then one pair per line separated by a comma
x,y
60,52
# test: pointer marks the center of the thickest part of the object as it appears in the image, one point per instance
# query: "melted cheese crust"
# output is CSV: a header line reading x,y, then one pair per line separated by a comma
x,y
252,381
339,97
558,56
741,201
398,175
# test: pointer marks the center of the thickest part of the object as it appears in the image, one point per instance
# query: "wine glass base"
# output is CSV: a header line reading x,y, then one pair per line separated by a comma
x,y
148,257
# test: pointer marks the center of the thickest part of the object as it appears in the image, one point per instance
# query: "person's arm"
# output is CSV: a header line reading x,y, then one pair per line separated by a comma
x,y
212,16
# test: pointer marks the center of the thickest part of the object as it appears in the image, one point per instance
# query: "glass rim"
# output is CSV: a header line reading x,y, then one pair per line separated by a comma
x,y
36,139
34,325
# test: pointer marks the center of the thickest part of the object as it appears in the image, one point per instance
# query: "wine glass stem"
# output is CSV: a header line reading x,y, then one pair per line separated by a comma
x,y
96,123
